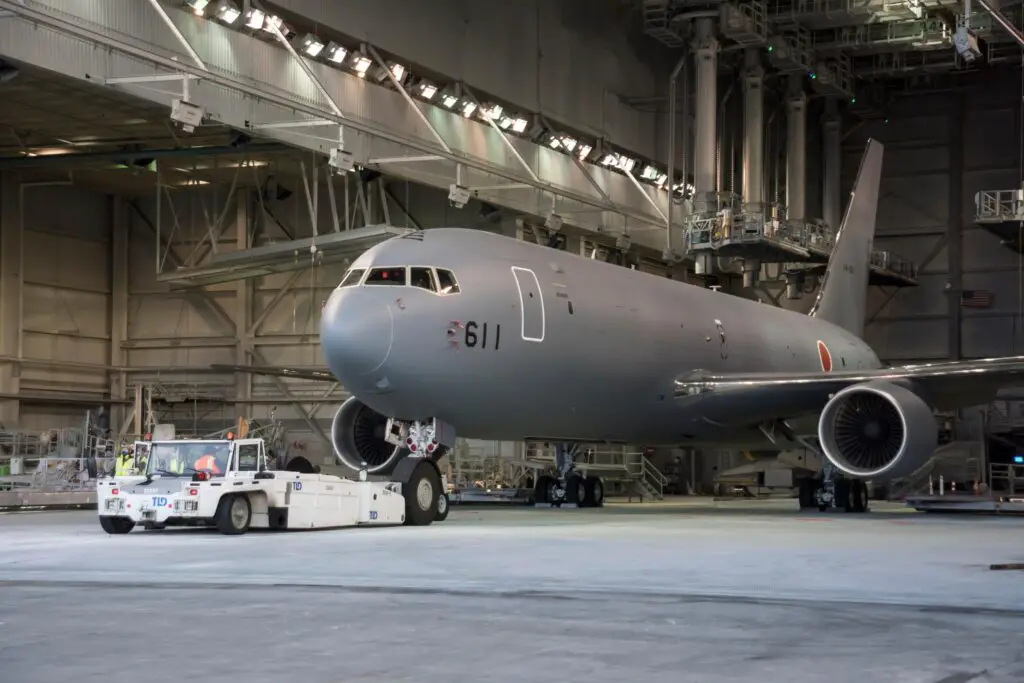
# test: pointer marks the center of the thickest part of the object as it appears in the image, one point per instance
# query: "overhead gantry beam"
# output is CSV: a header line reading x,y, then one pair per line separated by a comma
x,y
377,120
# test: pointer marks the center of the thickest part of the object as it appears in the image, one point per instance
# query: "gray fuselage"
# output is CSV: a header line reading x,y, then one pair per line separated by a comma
x,y
543,344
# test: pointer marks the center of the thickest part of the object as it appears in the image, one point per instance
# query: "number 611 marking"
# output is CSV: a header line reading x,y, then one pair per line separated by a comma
x,y
476,335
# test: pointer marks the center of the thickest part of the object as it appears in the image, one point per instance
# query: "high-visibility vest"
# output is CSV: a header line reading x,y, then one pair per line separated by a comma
x,y
207,462
123,465
177,465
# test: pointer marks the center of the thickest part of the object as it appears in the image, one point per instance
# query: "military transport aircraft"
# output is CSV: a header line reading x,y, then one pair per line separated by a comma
x,y
451,331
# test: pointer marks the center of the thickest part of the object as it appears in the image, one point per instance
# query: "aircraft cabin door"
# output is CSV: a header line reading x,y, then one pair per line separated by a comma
x,y
531,307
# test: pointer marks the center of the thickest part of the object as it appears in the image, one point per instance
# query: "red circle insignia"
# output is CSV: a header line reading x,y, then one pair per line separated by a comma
x,y
825,357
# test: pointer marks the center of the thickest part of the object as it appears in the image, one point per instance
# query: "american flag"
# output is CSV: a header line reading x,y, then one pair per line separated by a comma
x,y
976,298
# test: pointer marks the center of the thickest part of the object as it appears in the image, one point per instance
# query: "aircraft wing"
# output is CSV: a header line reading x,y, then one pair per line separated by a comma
x,y
296,373
750,397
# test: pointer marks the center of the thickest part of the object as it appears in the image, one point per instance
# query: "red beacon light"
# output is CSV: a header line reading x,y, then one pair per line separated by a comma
x,y
193,492
147,437
114,492
202,475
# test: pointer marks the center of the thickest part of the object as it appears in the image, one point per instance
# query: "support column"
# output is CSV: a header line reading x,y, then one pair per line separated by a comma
x,y
121,225
705,133
243,311
753,131
954,230
11,234
753,150
831,197
796,149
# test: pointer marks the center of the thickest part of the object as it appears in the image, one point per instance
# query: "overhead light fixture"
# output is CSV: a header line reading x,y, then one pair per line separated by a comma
x,y
662,181
449,101
397,70
254,19
563,142
491,111
625,163
273,21
312,45
361,64
336,53
197,6
650,173
468,108
426,90
584,151
228,12
517,124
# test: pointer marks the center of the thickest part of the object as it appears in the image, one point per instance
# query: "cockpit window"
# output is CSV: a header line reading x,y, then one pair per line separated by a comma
x,y
422,278
352,277
386,276
446,282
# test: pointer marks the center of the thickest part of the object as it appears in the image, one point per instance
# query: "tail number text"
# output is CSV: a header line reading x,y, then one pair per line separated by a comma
x,y
476,335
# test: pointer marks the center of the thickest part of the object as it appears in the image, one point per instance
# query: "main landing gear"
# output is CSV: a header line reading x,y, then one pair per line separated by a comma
x,y
568,487
831,490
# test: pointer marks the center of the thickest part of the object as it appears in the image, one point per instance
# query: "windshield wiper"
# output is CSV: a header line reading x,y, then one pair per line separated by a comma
x,y
172,474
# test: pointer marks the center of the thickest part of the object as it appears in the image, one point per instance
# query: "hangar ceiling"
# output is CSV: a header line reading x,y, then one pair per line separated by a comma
x,y
853,42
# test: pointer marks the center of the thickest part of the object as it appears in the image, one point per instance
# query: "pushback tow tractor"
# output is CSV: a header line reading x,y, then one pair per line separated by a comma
x,y
225,483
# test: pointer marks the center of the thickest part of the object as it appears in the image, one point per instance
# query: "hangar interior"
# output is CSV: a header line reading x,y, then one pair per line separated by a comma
x,y
708,141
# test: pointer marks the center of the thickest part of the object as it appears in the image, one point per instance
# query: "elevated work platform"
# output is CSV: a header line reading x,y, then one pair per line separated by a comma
x,y
1003,494
764,235
282,257
1001,212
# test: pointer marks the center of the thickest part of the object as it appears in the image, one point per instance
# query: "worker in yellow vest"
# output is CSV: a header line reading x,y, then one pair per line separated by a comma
x,y
123,463
177,464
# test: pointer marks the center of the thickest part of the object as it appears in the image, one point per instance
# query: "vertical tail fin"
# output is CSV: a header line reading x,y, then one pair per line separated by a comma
x,y
842,299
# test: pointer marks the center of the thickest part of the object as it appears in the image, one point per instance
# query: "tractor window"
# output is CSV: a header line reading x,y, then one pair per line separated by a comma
x,y
386,276
248,457
422,278
352,277
446,282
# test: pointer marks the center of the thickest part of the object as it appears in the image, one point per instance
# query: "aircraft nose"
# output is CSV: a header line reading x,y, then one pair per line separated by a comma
x,y
356,333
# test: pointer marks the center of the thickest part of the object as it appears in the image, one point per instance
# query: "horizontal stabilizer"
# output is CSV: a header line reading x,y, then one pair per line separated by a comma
x,y
297,373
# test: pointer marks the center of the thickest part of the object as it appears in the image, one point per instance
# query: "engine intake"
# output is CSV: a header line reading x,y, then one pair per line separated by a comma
x,y
878,429
357,434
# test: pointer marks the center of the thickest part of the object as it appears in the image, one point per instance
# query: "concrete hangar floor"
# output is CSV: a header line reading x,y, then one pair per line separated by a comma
x,y
656,592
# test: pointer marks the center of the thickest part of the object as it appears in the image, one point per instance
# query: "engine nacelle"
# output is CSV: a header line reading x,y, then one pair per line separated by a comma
x,y
878,430
357,434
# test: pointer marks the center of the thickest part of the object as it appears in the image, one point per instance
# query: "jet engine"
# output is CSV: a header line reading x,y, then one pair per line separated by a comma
x,y
357,434
877,430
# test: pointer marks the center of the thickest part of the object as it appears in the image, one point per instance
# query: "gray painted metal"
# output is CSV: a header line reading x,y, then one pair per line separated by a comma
x,y
541,344
250,83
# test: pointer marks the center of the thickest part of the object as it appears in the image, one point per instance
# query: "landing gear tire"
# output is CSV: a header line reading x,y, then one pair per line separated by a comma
x,y
858,497
807,489
233,515
576,491
443,504
116,525
422,492
556,493
541,489
595,492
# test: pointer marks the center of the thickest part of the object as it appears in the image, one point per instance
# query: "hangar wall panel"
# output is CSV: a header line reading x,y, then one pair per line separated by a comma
x,y
923,186
563,58
66,297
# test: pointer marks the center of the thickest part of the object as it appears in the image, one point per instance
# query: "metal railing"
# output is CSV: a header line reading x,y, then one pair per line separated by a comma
x,y
999,206
1006,479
